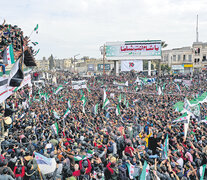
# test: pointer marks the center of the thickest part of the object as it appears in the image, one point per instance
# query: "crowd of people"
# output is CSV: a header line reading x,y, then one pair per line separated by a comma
x,y
141,141
13,35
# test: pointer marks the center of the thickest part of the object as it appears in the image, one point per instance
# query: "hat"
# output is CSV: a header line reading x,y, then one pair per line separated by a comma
x,y
7,120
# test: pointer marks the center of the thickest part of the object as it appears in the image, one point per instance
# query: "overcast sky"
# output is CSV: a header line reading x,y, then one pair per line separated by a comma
x,y
69,27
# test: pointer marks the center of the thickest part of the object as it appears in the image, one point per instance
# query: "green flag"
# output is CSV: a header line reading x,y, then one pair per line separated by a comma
x,y
106,103
120,98
36,28
145,171
166,147
95,110
83,99
54,127
202,171
118,112
66,113
69,105
58,89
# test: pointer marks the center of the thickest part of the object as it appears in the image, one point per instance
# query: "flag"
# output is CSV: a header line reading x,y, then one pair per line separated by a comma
x,y
124,100
120,98
118,112
40,159
186,125
36,52
95,109
88,155
178,87
130,168
35,43
56,115
183,118
58,89
54,127
69,105
137,81
127,104
46,96
203,121
83,109
46,165
193,107
163,87
8,56
16,89
36,28
202,171
106,102
83,99
145,171
166,147
88,89
159,91
104,96
61,97
66,113
16,75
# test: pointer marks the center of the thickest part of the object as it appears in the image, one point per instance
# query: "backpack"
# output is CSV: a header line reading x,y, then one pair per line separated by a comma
x,y
122,174
120,144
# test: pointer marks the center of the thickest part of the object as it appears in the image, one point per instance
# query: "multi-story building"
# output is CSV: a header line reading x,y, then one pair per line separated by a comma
x,y
43,64
186,59
199,56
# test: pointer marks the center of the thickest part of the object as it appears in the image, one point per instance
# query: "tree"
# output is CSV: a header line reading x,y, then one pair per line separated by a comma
x,y
165,68
163,45
145,65
51,62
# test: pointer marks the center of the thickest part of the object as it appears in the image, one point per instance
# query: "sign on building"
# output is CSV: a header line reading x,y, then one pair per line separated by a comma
x,y
136,65
107,67
133,50
90,67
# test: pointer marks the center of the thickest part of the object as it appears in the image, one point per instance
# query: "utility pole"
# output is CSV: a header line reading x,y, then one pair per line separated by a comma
x,y
74,60
104,53
197,29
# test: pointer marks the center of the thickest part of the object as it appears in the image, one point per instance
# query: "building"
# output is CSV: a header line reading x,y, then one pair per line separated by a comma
x,y
186,59
199,56
93,66
43,64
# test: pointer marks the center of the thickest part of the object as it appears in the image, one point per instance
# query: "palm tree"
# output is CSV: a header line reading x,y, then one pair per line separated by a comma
x,y
163,45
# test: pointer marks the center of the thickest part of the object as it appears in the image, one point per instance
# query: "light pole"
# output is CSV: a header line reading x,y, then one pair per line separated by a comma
x,y
103,52
74,59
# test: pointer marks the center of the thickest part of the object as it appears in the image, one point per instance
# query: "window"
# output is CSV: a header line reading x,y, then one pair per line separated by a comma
x,y
190,58
178,57
174,57
183,57
166,58
204,57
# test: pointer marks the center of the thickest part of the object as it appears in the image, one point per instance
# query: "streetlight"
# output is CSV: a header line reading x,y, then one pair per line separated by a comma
x,y
103,52
74,59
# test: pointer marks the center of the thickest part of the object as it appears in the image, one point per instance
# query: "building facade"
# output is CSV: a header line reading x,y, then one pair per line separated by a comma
x,y
186,59
42,65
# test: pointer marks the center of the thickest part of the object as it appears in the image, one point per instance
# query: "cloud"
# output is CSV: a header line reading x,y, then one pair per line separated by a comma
x,y
68,27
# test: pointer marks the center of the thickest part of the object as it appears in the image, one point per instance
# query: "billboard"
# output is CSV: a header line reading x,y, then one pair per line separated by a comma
x,y
133,50
90,67
136,65
107,67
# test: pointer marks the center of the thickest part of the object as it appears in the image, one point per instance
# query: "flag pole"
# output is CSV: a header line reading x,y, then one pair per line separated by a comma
x,y
39,172
31,33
